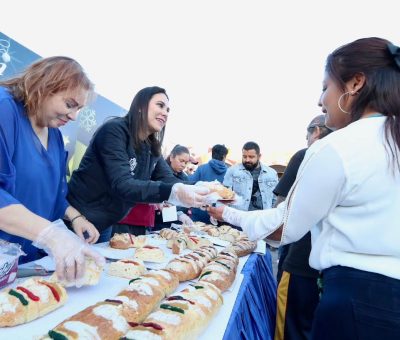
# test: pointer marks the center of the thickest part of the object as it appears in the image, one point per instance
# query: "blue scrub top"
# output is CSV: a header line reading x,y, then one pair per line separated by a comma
x,y
29,174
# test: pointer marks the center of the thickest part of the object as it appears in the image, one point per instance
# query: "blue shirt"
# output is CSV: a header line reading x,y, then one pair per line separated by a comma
x,y
211,171
29,174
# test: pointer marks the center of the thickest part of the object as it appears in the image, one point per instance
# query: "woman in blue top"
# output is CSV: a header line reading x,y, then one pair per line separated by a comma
x,y
33,185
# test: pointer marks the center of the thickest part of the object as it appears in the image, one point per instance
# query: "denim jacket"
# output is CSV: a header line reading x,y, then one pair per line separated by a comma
x,y
240,181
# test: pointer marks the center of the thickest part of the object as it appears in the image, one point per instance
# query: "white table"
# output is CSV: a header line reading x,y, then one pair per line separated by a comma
x,y
108,287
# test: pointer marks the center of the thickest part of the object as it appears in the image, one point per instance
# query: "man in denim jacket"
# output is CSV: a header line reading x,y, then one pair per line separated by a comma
x,y
252,181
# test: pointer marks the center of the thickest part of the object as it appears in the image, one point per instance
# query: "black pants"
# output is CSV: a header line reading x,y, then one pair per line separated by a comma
x,y
297,299
282,252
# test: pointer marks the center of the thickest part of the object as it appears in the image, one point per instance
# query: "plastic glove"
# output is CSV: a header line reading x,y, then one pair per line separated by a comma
x,y
188,195
185,219
68,251
202,183
212,198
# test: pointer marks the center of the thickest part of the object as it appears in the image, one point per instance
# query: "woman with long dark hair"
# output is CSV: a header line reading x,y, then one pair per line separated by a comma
x,y
348,187
123,165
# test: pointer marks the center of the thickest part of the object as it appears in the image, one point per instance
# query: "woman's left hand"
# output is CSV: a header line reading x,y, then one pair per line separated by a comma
x,y
188,196
81,225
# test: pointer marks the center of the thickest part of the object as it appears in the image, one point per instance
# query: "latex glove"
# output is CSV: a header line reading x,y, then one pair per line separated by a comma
x,y
212,198
68,251
187,196
202,183
81,225
185,219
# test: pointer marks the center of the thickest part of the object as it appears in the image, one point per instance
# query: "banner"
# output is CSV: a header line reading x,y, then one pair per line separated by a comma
x,y
15,57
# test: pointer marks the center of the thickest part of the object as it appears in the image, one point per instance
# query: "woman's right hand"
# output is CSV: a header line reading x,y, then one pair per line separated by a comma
x,y
68,251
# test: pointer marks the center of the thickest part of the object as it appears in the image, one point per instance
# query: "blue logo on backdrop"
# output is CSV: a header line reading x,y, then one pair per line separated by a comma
x,y
15,57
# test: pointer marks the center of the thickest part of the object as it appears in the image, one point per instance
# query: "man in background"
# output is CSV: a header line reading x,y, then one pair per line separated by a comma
x,y
252,181
214,169
298,293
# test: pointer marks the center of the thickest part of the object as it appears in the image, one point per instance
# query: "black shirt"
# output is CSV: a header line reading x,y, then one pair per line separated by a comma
x,y
296,260
289,176
256,198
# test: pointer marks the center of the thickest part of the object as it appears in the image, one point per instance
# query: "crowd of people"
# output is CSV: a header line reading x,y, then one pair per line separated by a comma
x,y
335,206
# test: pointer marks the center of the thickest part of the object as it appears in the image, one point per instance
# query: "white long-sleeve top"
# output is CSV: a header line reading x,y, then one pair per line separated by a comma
x,y
349,189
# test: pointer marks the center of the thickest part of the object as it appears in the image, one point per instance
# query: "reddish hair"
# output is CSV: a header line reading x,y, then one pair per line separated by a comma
x,y
45,78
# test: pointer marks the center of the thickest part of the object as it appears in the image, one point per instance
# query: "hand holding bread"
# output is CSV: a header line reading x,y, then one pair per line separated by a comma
x,y
68,250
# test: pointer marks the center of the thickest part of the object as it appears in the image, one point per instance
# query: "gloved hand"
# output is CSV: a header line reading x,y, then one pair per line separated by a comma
x,y
212,198
202,183
185,219
68,251
188,196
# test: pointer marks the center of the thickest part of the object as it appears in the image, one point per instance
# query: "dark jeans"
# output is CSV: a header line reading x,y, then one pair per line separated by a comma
x,y
297,299
356,304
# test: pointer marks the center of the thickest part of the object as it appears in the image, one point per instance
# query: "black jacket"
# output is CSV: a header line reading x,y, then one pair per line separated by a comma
x,y
112,177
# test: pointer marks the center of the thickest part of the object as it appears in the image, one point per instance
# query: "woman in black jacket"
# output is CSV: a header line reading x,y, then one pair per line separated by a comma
x,y
123,165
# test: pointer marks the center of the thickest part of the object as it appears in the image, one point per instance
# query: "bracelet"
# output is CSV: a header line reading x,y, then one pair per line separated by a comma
x,y
72,220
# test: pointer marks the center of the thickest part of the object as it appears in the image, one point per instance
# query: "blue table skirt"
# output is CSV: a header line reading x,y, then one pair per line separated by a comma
x,y
254,312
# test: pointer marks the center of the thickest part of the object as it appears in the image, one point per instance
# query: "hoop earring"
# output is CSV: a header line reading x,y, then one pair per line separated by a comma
x,y
340,99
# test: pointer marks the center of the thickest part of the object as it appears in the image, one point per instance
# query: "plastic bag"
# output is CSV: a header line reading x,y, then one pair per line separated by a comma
x,y
9,256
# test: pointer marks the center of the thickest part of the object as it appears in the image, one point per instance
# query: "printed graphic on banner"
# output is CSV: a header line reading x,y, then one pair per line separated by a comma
x,y
15,57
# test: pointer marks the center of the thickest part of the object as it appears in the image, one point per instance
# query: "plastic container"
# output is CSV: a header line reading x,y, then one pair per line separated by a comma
x,y
9,255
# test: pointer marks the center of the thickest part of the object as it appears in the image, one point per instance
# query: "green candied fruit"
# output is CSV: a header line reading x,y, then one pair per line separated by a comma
x,y
172,308
56,336
133,280
223,264
19,296
206,273
197,287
